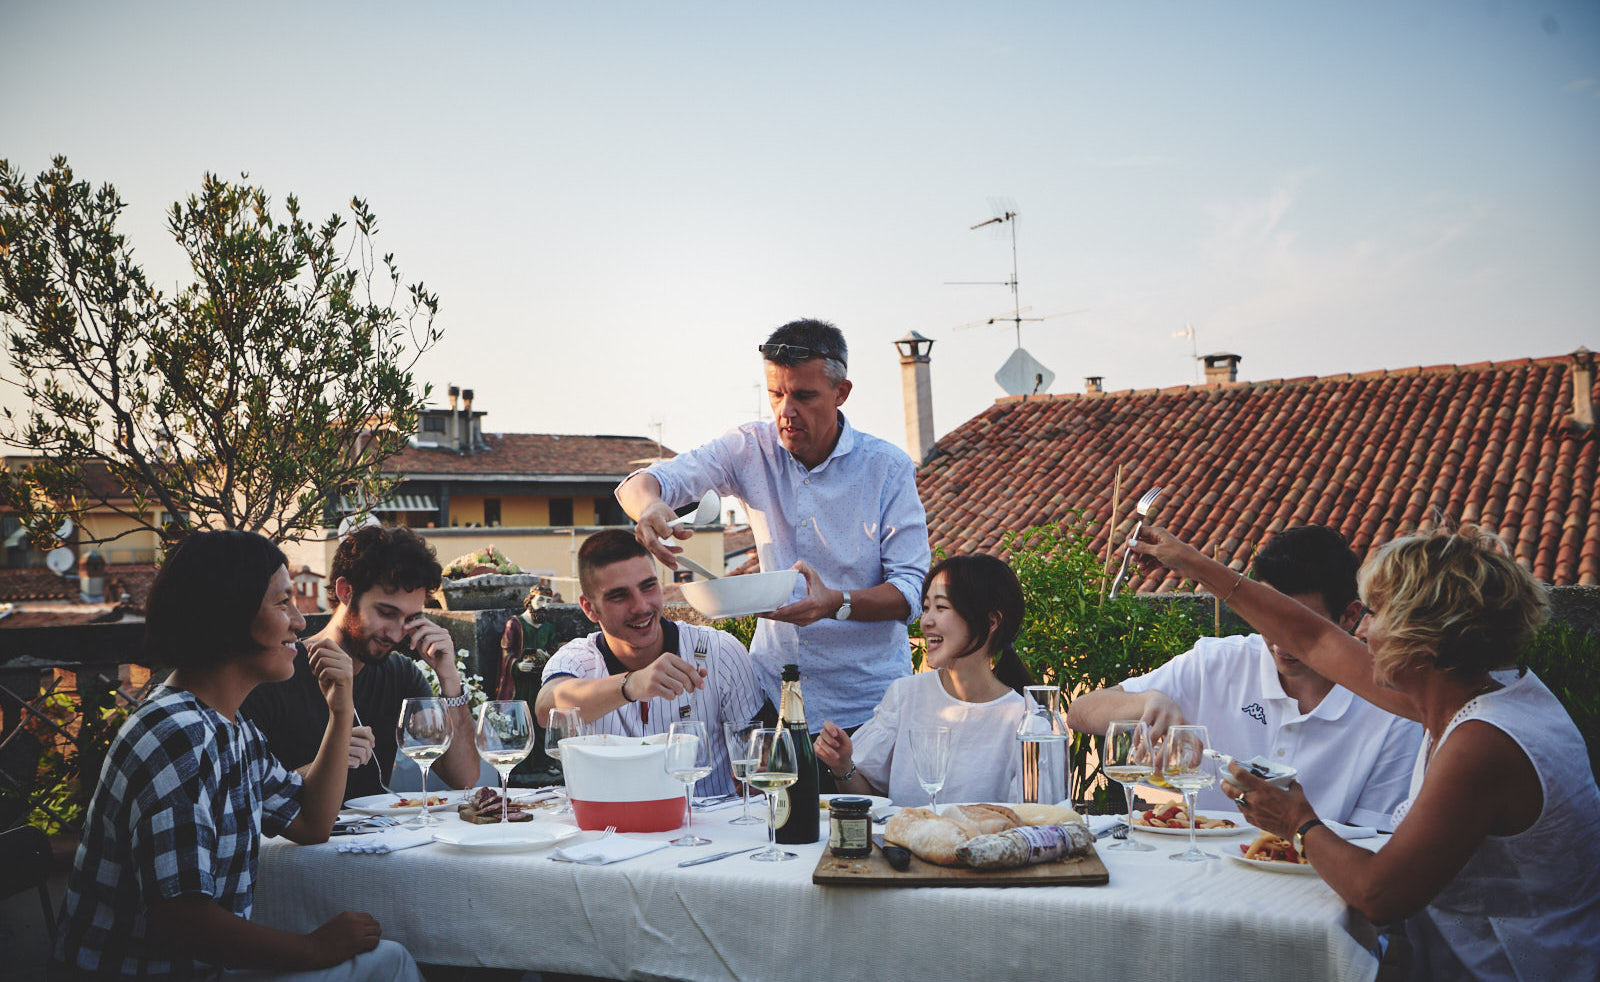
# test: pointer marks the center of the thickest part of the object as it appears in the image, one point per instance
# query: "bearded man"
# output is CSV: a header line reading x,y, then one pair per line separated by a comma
x,y
380,581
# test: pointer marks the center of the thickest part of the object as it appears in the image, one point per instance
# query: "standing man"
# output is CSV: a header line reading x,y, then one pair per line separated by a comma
x,y
380,581
639,674
824,498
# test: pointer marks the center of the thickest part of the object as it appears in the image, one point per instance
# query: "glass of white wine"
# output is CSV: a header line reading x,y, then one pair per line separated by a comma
x,y
1128,760
562,723
737,737
505,739
688,758
774,766
423,734
1186,766
930,753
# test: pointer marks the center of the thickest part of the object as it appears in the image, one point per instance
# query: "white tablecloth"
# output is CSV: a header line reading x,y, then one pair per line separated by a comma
x,y
743,920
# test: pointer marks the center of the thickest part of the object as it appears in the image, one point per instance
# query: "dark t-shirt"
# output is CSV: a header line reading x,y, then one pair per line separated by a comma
x,y
293,715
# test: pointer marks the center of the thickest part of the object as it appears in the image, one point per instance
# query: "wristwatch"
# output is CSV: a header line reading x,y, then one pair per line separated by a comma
x,y
455,702
843,613
1300,835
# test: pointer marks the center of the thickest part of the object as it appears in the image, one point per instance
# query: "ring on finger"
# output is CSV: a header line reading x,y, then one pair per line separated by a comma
x,y
1241,800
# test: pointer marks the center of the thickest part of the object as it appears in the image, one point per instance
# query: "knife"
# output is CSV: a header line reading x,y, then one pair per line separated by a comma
x,y
898,857
716,856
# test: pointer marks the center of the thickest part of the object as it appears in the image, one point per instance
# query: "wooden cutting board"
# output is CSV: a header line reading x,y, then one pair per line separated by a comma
x,y
875,871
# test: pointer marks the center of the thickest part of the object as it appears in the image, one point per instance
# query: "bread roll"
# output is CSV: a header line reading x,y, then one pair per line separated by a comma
x,y
1045,814
931,838
987,819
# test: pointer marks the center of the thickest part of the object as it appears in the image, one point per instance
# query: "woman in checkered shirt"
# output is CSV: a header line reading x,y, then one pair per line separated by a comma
x,y
162,883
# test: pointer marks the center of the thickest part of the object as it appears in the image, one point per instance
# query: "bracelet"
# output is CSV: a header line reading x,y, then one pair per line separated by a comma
x,y
1235,588
844,777
623,688
456,702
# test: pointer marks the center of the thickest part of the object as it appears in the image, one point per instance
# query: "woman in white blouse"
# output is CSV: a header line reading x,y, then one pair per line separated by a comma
x,y
1495,861
972,608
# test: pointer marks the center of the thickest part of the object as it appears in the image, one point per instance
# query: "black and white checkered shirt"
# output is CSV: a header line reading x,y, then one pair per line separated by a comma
x,y
183,799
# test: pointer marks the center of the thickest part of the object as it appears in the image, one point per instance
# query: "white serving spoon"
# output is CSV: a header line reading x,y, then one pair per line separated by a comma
x,y
704,514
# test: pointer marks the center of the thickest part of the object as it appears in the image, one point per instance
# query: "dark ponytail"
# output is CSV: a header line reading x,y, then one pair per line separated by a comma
x,y
979,585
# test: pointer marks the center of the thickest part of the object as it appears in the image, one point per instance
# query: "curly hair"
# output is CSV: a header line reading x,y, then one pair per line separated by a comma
x,y
389,556
1456,598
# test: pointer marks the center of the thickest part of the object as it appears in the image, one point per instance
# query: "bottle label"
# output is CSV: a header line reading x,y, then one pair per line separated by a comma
x,y
849,833
780,807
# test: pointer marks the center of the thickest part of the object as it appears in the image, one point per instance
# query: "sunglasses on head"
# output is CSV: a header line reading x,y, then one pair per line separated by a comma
x,y
797,352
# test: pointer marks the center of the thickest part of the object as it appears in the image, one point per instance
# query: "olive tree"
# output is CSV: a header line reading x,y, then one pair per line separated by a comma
x,y
279,377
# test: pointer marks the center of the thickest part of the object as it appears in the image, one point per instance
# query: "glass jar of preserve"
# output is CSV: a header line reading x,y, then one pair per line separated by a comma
x,y
850,827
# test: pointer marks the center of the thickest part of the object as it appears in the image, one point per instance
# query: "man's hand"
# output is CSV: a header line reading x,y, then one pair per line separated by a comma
x,y
344,937
1160,712
361,746
834,748
665,678
332,667
433,645
653,526
820,602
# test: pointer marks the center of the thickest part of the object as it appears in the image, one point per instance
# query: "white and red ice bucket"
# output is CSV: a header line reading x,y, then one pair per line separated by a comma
x,y
621,781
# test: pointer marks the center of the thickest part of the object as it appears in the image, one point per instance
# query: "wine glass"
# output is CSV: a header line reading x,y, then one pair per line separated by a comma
x,y
423,734
562,724
1128,760
688,759
773,767
930,752
737,736
1186,767
505,739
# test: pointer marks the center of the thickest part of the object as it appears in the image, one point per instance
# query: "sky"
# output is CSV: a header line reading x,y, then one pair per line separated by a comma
x,y
617,201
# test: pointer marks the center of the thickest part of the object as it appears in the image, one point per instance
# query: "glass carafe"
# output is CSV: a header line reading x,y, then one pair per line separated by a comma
x,y
1043,737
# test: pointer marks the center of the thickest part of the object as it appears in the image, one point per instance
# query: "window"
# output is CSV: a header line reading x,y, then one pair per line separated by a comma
x,y
560,511
433,424
608,512
491,511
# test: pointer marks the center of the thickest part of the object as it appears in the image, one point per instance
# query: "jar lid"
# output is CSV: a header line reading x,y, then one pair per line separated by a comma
x,y
850,805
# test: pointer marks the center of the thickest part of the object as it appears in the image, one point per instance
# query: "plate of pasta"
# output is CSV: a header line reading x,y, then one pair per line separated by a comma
x,y
1174,820
1273,854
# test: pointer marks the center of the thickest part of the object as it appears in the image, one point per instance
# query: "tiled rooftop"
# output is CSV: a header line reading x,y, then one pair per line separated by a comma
x,y
1375,455
532,455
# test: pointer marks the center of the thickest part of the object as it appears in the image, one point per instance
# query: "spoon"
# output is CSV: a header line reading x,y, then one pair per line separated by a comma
x,y
704,514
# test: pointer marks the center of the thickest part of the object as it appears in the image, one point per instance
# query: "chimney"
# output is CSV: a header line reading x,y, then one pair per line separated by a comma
x,y
452,439
466,422
1221,367
1582,388
1094,383
916,388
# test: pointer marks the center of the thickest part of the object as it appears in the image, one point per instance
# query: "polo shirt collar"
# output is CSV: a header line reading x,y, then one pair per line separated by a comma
x,y
1332,706
614,666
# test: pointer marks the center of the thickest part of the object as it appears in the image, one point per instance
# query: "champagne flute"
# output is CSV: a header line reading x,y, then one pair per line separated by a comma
x,y
505,739
1186,767
774,765
737,736
688,758
1128,760
930,752
423,734
562,724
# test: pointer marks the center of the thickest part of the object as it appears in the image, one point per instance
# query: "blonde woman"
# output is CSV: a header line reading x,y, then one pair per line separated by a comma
x,y
1495,860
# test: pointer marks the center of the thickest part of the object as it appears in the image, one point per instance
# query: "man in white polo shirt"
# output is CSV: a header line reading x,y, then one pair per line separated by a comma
x,y
639,674
1254,698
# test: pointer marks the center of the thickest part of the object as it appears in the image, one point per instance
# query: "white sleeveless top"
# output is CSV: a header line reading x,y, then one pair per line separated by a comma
x,y
1524,906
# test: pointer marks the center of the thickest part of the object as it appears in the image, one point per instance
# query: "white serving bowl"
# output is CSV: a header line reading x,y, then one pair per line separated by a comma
x,y
738,596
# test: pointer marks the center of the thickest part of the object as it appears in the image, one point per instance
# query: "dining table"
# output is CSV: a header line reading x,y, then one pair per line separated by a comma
x,y
738,919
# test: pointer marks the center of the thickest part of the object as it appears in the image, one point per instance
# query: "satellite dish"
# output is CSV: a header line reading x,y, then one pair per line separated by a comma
x,y
350,524
65,529
1022,375
60,560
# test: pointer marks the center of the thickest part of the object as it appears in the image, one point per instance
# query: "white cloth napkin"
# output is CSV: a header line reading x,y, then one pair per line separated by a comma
x,y
1099,823
387,841
606,849
719,806
1351,831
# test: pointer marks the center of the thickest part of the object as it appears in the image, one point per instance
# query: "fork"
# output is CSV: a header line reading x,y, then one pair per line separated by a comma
x,y
374,760
1143,508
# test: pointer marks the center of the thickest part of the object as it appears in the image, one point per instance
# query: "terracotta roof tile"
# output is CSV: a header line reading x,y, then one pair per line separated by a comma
x,y
1374,454
533,455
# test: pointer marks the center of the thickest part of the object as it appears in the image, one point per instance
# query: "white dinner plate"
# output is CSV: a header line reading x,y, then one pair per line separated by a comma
x,y
1273,866
1239,827
877,801
510,837
383,804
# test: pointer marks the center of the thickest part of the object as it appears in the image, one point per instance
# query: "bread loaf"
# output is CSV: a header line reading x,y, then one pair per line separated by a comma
x,y
931,838
1045,814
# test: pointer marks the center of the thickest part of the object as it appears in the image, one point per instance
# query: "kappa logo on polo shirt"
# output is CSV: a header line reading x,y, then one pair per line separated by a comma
x,y
1255,712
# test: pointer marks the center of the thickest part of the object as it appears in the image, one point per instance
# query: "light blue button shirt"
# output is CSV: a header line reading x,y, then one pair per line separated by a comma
x,y
855,518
